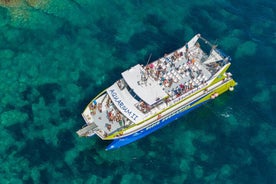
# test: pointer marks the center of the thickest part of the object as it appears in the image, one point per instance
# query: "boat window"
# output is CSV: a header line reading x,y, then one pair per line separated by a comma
x,y
133,94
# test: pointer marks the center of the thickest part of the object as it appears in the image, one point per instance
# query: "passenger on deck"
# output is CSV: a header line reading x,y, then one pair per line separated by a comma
x,y
176,54
143,107
118,117
159,68
190,86
147,69
111,115
108,126
159,62
167,100
142,104
108,102
170,82
157,74
92,108
173,58
100,107
166,83
187,47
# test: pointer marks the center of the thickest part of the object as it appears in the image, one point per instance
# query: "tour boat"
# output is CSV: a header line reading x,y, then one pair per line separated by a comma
x,y
150,96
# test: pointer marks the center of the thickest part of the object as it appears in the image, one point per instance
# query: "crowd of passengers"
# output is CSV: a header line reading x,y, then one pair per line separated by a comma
x,y
113,114
159,70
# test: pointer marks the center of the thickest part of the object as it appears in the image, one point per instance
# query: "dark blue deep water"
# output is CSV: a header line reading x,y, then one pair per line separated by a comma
x,y
56,55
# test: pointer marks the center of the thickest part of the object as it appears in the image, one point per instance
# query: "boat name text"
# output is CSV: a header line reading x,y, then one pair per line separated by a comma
x,y
122,105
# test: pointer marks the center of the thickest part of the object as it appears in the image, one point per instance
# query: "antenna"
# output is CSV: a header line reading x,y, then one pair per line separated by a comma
x,y
144,75
149,59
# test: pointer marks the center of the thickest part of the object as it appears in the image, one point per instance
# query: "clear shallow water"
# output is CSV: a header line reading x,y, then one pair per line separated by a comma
x,y
56,55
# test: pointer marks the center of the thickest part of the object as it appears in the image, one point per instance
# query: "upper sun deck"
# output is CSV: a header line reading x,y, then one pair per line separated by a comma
x,y
187,68
174,74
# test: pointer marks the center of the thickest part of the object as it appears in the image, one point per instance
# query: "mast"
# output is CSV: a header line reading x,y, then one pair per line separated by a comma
x,y
144,74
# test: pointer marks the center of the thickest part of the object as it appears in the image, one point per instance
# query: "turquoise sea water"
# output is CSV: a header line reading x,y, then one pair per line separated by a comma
x,y
56,55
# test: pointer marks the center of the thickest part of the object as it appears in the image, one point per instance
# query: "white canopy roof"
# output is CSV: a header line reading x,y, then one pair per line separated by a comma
x,y
148,90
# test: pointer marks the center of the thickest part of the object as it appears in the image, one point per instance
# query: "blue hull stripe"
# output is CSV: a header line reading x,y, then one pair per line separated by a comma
x,y
146,131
